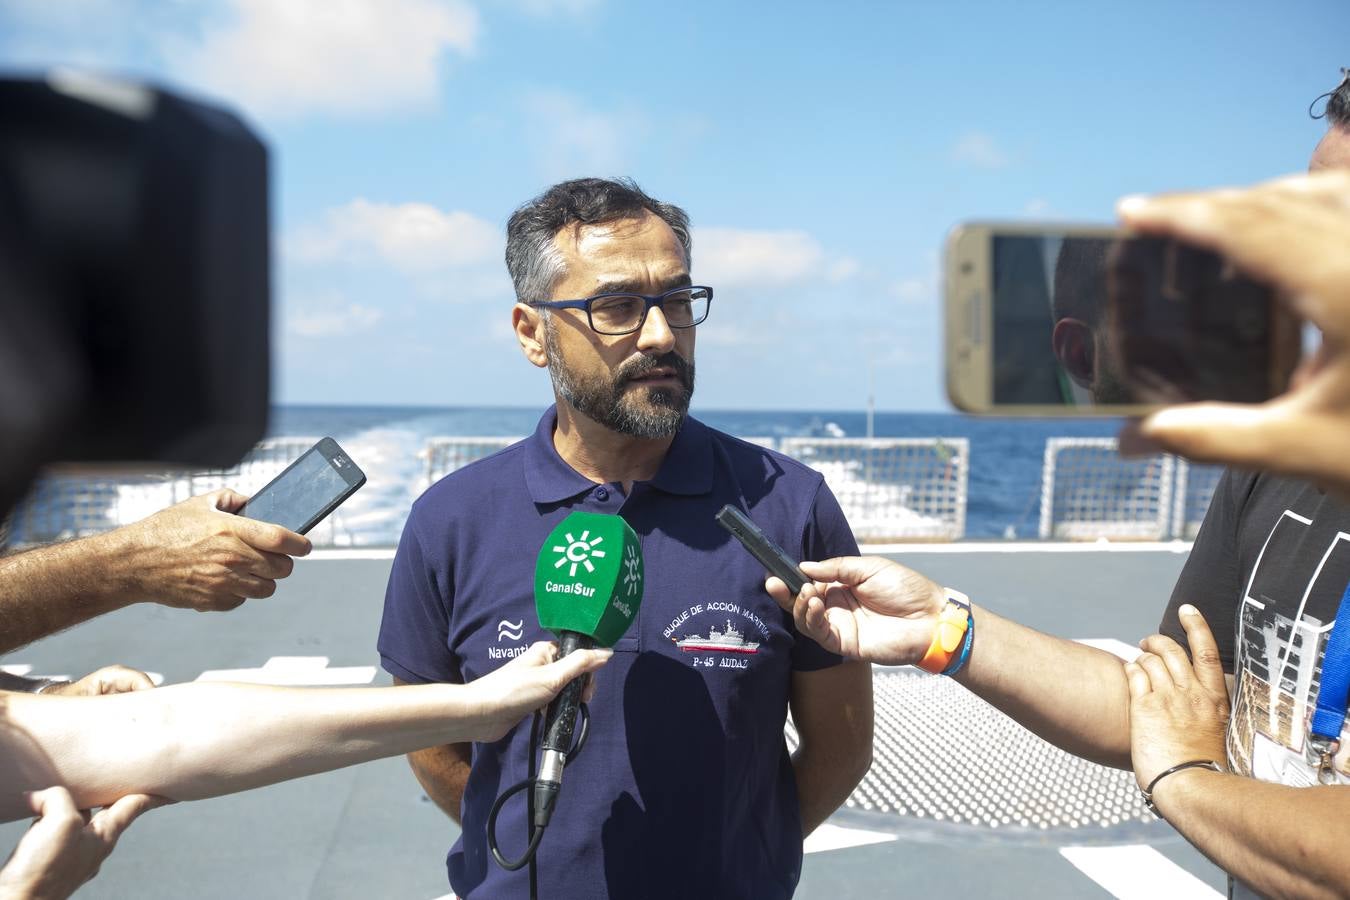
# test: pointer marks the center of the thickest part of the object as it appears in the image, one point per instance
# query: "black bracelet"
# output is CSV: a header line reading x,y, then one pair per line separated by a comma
x,y
1190,764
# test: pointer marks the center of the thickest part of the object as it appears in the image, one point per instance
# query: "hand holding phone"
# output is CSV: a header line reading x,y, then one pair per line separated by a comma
x,y
308,489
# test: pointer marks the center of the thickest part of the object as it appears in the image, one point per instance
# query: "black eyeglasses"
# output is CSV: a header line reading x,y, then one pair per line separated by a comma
x,y
683,307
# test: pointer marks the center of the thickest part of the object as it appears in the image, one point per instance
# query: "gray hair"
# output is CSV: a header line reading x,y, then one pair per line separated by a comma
x,y
532,256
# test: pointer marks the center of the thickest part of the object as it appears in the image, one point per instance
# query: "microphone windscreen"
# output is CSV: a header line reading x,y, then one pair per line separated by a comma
x,y
589,577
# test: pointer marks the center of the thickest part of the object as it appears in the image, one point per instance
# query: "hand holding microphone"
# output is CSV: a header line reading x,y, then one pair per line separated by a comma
x,y
588,582
529,681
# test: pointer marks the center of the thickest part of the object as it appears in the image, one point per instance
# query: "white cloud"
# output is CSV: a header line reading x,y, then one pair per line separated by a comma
x,y
842,269
573,141
733,256
913,290
547,8
412,237
339,318
980,150
1037,206
342,57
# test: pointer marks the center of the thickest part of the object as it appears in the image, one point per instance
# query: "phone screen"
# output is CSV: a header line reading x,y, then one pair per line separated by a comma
x,y
1110,321
299,494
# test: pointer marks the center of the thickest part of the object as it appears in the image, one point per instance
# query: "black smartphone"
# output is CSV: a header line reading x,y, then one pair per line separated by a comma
x,y
1046,319
770,555
308,489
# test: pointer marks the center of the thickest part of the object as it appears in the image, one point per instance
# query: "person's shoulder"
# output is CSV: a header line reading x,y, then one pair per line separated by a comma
x,y
473,482
753,458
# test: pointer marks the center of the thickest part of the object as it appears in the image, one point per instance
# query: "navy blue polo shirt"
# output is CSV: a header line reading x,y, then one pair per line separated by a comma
x,y
685,787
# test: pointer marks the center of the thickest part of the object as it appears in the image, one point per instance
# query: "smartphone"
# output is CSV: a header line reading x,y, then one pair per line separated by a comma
x,y
308,489
770,555
1045,319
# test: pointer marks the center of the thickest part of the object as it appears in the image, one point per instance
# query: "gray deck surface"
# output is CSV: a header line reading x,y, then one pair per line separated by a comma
x,y
369,832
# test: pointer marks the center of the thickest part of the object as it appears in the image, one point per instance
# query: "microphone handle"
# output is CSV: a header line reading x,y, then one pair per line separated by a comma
x,y
561,719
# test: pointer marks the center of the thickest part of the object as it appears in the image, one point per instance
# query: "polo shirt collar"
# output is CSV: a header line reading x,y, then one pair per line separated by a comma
x,y
687,468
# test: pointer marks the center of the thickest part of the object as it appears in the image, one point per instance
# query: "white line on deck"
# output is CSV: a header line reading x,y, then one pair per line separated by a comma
x,y
294,670
1138,872
1125,651
836,837
1033,547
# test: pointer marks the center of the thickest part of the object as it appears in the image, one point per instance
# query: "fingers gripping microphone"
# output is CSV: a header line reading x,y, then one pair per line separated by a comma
x,y
588,584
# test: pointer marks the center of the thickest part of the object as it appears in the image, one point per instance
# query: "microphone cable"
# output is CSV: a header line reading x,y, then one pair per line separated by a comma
x,y
536,827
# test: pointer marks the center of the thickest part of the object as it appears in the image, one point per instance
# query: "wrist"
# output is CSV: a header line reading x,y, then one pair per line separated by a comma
x,y
950,644
121,565
1167,790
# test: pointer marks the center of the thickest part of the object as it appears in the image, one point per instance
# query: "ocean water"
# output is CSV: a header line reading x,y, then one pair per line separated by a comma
x,y
1004,486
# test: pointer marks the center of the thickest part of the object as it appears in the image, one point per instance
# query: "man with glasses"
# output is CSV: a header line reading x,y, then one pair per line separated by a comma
x,y
686,786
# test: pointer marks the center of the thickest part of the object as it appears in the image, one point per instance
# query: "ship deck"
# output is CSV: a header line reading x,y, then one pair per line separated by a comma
x,y
947,810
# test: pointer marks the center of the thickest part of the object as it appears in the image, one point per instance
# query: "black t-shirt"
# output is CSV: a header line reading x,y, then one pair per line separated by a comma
x,y
1268,569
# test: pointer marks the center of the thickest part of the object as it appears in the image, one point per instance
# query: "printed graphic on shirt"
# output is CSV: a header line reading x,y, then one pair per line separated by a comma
x,y
508,631
1279,663
719,634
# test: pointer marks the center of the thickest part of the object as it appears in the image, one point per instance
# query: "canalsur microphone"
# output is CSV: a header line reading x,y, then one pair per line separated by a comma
x,y
588,584
587,587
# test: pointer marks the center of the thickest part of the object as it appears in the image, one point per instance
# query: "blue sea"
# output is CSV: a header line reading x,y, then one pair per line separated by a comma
x,y
1006,455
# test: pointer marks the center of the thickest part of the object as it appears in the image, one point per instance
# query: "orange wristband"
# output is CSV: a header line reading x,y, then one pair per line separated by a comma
x,y
948,633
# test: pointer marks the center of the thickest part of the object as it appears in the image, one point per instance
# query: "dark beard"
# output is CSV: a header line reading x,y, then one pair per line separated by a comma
x,y
656,412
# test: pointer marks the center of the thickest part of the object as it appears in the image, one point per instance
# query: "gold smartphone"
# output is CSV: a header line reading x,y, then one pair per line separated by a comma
x,y
1050,320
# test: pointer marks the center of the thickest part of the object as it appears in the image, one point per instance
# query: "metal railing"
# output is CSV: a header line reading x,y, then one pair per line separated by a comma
x,y
1088,491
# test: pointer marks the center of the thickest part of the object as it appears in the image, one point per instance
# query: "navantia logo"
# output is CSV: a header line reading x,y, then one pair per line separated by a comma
x,y
578,552
632,571
508,629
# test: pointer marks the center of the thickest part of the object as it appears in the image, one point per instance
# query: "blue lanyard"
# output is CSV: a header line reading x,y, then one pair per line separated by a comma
x,y
1324,735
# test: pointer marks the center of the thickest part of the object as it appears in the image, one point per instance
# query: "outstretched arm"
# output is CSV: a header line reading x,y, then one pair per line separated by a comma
x,y
194,555
191,741
873,609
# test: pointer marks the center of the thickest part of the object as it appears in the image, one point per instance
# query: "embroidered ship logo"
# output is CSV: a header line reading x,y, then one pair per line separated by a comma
x,y
508,629
729,641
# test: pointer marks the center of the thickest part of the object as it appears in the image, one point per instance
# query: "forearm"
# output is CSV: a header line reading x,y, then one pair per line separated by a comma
x,y
824,784
1072,695
443,773
833,714
1283,841
201,740
48,589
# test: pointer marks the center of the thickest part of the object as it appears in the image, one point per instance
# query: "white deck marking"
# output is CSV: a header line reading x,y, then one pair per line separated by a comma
x,y
835,837
294,670
1032,547
1138,872
1125,651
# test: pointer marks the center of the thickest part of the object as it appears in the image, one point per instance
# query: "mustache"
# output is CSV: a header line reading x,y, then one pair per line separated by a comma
x,y
644,365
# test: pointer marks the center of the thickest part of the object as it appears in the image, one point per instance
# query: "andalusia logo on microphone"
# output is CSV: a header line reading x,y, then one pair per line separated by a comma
x,y
579,552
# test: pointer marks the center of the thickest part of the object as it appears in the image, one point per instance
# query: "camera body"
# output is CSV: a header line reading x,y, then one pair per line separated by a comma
x,y
134,279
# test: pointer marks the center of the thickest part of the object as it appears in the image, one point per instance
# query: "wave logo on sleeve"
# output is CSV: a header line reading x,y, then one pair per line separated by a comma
x,y
508,629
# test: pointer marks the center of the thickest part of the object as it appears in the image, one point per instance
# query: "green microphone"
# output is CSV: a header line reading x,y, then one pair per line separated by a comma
x,y
587,588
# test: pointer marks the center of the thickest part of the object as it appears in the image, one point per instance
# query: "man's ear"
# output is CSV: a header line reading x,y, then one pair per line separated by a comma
x,y
528,324
1072,341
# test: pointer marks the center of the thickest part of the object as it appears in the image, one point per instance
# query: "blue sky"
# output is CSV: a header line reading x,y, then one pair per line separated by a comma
x,y
822,150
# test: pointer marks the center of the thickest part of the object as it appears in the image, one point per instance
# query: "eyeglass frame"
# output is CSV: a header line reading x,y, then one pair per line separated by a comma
x,y
650,300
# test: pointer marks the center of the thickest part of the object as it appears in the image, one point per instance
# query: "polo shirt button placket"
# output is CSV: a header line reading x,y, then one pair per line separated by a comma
x,y
602,493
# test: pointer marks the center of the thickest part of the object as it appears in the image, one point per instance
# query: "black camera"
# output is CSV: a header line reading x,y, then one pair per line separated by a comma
x,y
134,279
